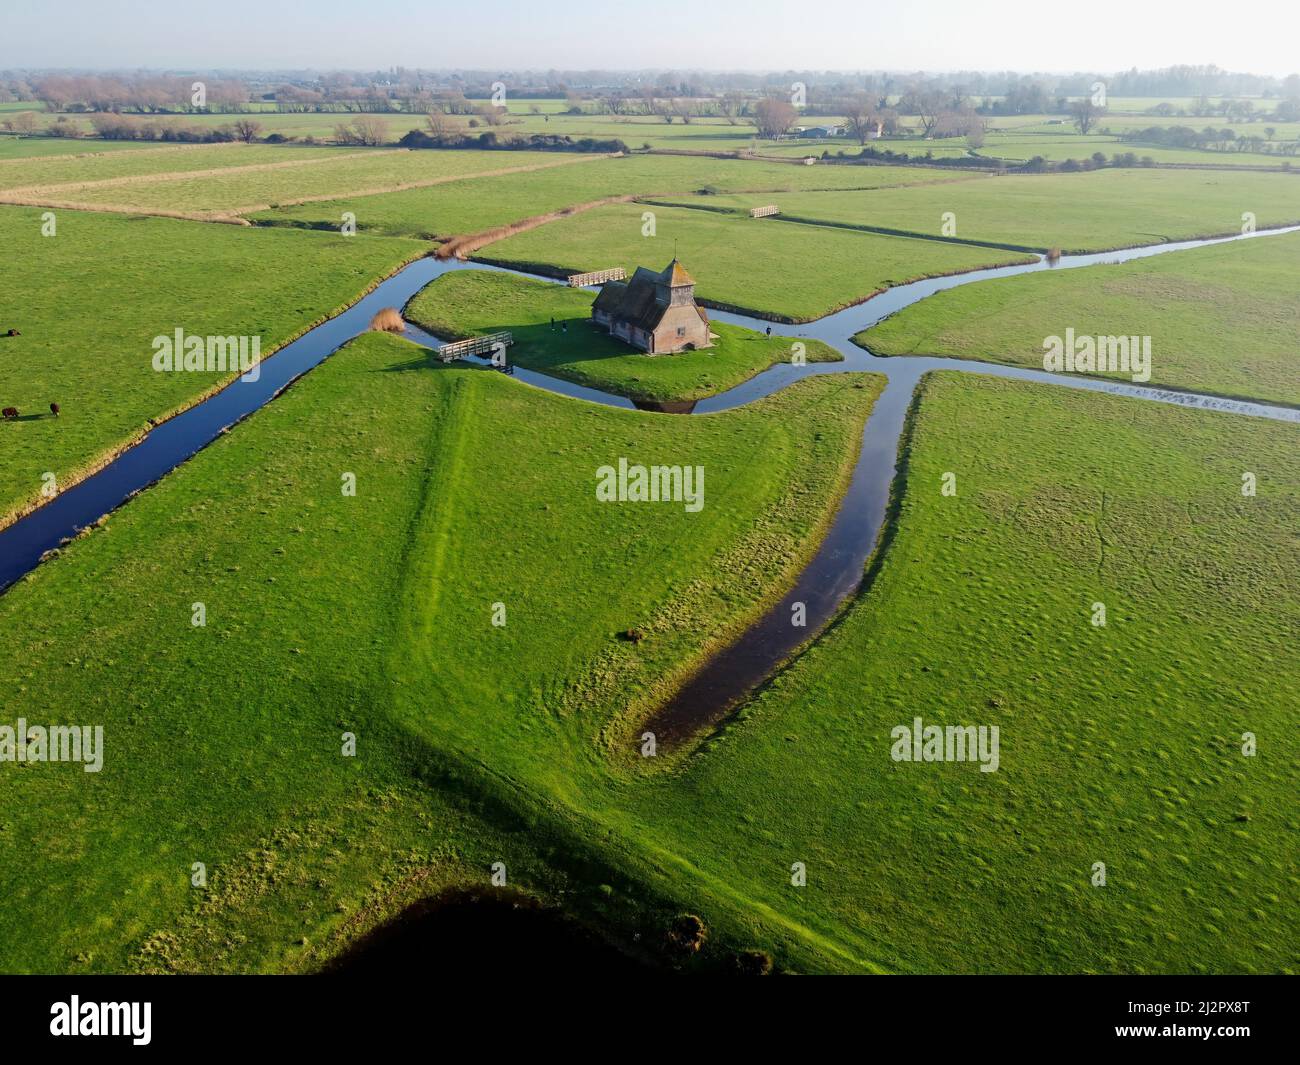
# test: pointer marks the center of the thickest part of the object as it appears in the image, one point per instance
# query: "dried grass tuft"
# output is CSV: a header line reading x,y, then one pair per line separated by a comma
x,y
388,320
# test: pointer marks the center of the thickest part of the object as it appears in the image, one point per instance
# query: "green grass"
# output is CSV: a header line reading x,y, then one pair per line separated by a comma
x,y
1057,147
1119,744
473,303
364,170
93,297
476,204
1095,211
31,147
371,614
790,272
55,171
1221,319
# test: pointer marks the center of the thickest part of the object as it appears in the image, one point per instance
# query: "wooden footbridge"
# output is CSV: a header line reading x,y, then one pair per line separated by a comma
x,y
484,345
597,277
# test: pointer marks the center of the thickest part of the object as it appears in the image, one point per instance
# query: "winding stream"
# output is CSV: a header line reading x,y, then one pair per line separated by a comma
x,y
835,572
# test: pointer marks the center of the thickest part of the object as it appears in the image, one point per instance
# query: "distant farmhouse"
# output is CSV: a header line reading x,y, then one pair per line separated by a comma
x,y
655,312
819,132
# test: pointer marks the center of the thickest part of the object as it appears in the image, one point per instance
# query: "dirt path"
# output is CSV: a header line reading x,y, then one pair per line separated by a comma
x,y
462,247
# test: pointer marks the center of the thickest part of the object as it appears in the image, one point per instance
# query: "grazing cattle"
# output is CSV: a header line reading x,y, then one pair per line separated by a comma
x,y
9,413
54,409
13,333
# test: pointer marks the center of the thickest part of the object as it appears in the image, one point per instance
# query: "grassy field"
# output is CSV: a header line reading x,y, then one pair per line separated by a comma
x,y
371,614
337,174
34,147
1019,147
95,295
1221,319
478,744
472,303
467,615
1120,744
1013,137
792,272
62,173
476,204
1094,211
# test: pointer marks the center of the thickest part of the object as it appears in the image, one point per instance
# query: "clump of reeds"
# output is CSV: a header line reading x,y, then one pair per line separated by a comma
x,y
1053,255
388,320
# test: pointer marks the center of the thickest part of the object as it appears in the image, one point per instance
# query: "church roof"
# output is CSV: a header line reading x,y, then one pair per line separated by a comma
x,y
637,300
675,274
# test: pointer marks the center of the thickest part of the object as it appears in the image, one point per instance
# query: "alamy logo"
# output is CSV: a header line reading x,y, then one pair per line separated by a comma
x,y
951,743
651,484
180,351
102,1018
21,742
1099,354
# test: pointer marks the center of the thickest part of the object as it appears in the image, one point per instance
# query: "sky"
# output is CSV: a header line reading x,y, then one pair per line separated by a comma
x,y
1257,36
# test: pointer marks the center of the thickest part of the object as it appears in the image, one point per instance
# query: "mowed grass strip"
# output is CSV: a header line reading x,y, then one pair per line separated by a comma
x,y
92,298
1096,211
787,272
553,333
481,203
1120,744
372,613
1221,319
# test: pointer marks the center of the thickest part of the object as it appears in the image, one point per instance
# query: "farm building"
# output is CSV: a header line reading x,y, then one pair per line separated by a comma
x,y
655,312
819,132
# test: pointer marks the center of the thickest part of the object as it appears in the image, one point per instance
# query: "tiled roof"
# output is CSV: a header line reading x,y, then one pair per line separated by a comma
x,y
636,301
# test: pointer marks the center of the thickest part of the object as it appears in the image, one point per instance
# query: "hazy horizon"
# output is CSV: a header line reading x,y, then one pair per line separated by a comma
x,y
756,36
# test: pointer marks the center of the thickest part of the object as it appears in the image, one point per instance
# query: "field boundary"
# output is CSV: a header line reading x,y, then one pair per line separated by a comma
x,y
94,465
461,247
181,175
235,215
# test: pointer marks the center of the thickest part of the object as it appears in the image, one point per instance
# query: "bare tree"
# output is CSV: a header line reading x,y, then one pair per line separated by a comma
x,y
1085,114
247,129
439,123
370,130
22,123
730,105
774,117
928,106
861,119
